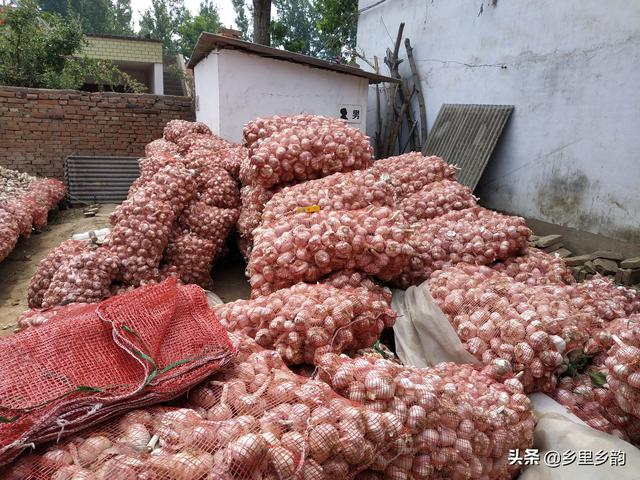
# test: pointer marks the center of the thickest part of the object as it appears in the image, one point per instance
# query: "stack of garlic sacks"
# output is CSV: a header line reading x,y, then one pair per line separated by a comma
x,y
175,222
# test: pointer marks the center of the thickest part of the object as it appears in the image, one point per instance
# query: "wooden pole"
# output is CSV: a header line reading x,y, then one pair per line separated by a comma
x,y
418,89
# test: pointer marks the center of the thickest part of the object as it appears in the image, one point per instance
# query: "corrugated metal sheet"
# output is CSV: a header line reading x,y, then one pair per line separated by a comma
x,y
466,135
100,179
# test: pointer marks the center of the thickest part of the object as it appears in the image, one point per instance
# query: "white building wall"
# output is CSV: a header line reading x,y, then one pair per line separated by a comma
x,y
570,151
250,86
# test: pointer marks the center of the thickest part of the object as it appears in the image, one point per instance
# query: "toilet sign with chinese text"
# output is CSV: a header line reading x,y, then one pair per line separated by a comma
x,y
350,113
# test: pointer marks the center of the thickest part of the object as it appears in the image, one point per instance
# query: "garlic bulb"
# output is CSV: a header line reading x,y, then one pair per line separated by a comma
x,y
176,129
536,267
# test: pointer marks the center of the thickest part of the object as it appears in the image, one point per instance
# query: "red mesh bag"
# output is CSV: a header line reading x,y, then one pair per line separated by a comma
x,y
189,257
623,366
521,327
410,172
9,233
217,188
85,278
255,131
536,267
152,164
303,153
255,419
49,191
229,158
305,320
38,316
212,223
253,199
176,129
475,235
21,214
38,207
306,247
48,266
140,237
603,298
86,366
590,398
436,199
462,422
208,141
160,146
355,279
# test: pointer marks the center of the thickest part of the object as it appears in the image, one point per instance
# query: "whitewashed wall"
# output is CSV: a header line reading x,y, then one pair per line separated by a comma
x,y
233,87
570,154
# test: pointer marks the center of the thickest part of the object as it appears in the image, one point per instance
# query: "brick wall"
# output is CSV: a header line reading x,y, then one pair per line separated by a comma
x,y
40,128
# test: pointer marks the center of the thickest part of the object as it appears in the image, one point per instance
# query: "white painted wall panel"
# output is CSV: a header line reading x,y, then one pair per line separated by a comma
x,y
569,155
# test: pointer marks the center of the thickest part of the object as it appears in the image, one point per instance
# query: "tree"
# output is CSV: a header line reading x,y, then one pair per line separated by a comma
x,y
242,20
43,50
295,26
261,21
96,16
162,20
337,25
207,20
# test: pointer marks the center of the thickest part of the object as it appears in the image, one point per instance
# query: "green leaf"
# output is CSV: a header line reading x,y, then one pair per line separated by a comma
x,y
84,388
7,420
598,379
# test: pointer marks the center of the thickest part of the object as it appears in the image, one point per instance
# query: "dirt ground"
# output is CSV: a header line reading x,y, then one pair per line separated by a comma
x,y
16,270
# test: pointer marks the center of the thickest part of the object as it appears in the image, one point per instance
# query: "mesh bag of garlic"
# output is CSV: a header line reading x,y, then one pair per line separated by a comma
x,y
255,131
86,278
174,130
160,146
462,421
255,419
496,317
37,317
623,366
303,153
304,321
589,396
603,298
217,188
474,235
308,246
254,199
536,267
9,233
384,184
189,257
355,279
20,213
436,199
90,363
48,266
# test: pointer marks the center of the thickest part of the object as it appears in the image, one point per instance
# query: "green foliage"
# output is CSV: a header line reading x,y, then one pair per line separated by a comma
x,y
294,29
96,16
242,17
161,22
337,24
41,50
207,20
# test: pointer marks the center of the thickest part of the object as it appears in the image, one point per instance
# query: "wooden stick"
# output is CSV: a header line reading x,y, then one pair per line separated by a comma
x,y
418,89
378,112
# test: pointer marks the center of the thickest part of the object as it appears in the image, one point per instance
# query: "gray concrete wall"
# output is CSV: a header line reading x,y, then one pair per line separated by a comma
x,y
570,152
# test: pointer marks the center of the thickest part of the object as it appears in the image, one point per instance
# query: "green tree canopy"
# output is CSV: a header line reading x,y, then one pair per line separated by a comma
x,y
295,26
207,20
161,22
95,16
337,25
43,50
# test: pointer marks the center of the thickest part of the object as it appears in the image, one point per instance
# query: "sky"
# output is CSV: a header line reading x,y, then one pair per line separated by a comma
x,y
225,9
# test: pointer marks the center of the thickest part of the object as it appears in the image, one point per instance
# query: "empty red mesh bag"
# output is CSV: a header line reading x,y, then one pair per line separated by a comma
x,y
474,235
308,246
510,324
21,214
48,266
305,320
174,130
259,129
536,267
303,153
160,146
86,278
436,199
9,233
189,257
86,366
462,422
255,419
